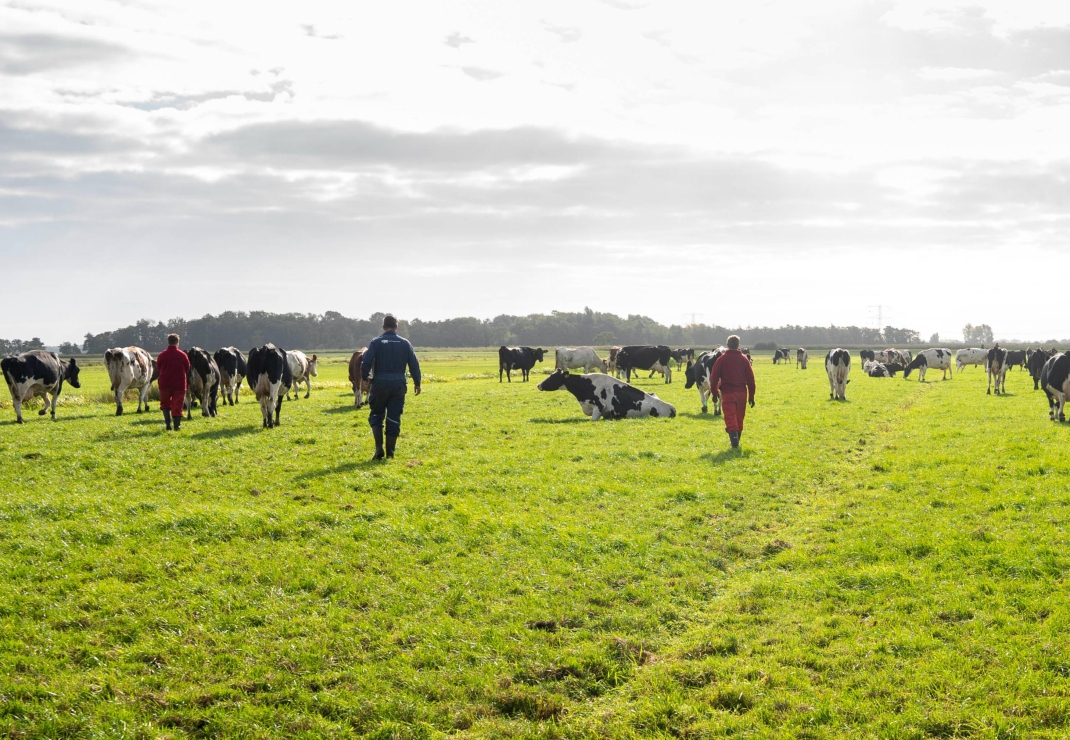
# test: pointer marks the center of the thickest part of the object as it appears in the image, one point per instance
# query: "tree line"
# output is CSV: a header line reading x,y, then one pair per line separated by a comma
x,y
332,330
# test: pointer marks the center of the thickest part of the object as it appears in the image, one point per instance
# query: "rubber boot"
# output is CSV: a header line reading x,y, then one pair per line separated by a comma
x,y
177,421
167,418
734,436
391,443
377,433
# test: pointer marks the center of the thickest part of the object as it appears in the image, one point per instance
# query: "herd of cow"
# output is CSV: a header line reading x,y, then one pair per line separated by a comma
x,y
603,397
269,371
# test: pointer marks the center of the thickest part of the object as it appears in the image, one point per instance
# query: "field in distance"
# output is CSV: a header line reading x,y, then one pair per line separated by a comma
x,y
889,567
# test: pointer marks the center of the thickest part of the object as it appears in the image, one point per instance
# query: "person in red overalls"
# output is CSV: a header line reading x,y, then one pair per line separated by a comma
x,y
173,365
733,375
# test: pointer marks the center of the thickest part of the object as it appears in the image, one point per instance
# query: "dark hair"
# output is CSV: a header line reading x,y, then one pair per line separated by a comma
x,y
733,342
389,322
172,340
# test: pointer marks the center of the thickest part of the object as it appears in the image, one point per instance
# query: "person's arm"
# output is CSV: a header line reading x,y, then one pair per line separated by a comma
x,y
414,369
367,361
750,380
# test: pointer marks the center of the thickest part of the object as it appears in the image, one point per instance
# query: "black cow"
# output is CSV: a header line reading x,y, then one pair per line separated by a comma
x,y
37,373
644,357
202,382
868,355
1037,361
232,369
269,377
517,358
1055,380
699,373
683,356
997,369
1015,358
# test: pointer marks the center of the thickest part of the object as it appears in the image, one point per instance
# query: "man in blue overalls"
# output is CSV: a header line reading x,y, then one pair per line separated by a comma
x,y
388,354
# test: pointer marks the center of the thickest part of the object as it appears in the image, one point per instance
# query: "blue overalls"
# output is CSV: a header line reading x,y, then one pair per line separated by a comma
x,y
389,355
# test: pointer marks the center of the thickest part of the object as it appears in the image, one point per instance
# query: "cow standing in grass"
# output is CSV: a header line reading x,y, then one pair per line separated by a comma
x,y
1037,360
37,373
1055,380
360,387
939,359
131,367
269,375
997,369
970,356
800,358
303,370
838,368
232,369
518,358
570,358
698,373
202,385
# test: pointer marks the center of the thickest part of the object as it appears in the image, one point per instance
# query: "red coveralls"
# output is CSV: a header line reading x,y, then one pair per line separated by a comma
x,y
734,375
173,364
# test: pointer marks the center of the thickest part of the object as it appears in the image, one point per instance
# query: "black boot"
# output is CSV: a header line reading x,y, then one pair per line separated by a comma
x,y
178,422
167,418
734,436
377,433
391,443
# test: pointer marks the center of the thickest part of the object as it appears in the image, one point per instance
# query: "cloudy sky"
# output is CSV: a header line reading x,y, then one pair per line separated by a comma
x,y
745,162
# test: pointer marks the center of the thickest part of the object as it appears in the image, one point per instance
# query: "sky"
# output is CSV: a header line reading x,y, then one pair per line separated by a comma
x,y
745,163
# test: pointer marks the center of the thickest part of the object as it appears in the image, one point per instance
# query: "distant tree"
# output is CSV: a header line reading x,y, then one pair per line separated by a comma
x,y
977,334
935,338
70,348
604,339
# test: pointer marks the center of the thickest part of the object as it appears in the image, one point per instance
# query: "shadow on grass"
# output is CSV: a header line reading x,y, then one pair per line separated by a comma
x,y
545,420
348,467
220,433
701,417
344,409
726,455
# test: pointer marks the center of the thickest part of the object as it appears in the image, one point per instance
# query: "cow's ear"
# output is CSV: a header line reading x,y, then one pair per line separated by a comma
x,y
313,358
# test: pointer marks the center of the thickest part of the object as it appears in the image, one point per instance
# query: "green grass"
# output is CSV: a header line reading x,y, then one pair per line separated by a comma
x,y
889,567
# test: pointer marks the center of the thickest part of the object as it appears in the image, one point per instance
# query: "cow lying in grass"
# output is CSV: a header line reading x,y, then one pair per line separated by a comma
x,y
605,396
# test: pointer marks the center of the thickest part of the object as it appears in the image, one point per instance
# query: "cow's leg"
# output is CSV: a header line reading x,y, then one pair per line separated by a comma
x,y
119,391
596,413
989,391
308,386
702,398
278,410
717,406
16,401
143,398
55,397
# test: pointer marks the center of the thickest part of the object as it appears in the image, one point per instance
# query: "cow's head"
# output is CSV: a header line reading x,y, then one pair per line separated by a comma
x,y
312,363
70,373
554,382
691,373
605,366
538,354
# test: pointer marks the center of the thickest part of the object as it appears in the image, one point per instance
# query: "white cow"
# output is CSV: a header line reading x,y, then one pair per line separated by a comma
x,y
603,396
303,370
568,358
938,358
129,368
838,367
970,356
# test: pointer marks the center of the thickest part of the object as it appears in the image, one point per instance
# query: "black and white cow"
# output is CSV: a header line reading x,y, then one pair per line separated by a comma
x,y
644,357
780,355
838,367
303,369
269,375
893,368
698,373
746,353
938,359
875,369
867,355
997,369
1036,365
232,370
800,358
518,358
202,382
603,396
970,356
683,356
131,367
611,362
568,358
1015,358
1055,380
37,373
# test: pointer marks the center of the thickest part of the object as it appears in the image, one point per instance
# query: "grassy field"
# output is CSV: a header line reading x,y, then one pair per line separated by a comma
x,y
889,567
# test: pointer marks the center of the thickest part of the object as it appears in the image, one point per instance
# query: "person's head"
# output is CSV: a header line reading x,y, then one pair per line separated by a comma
x,y
172,340
389,322
733,342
